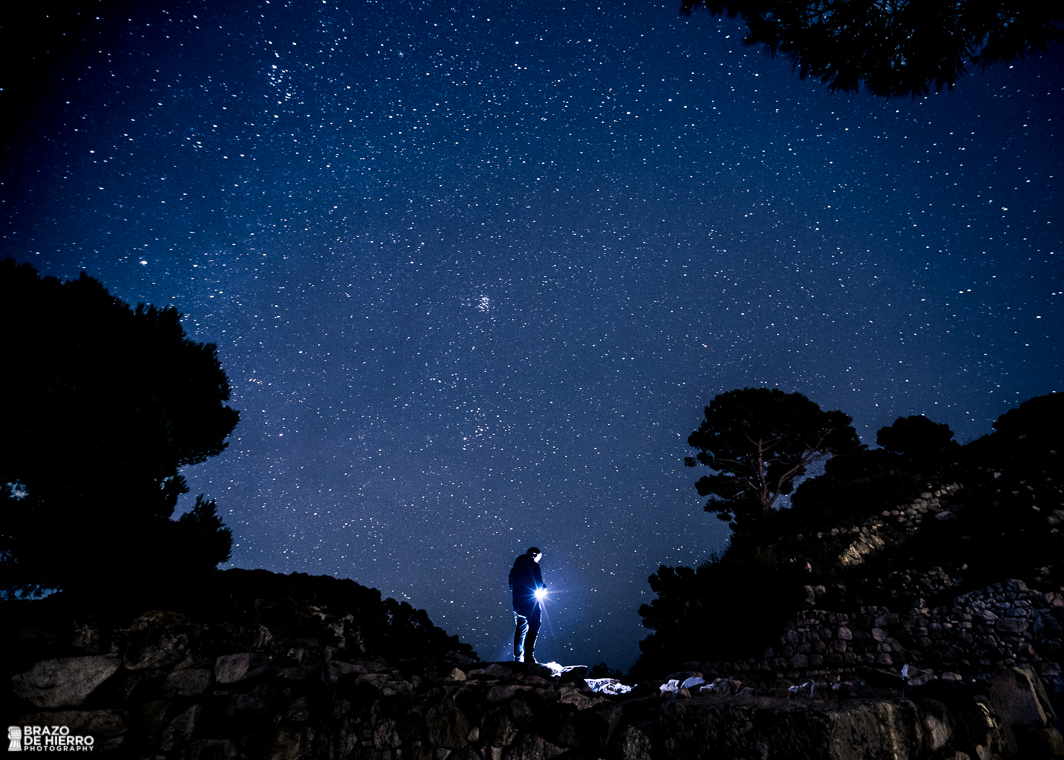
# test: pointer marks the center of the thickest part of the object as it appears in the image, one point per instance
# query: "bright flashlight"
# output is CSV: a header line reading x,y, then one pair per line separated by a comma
x,y
541,594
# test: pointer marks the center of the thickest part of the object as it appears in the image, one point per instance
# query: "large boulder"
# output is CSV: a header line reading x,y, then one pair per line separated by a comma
x,y
1027,709
63,682
447,725
156,640
231,668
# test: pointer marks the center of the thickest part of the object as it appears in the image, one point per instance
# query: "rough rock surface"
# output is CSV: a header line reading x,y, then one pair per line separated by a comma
x,y
170,684
998,627
63,682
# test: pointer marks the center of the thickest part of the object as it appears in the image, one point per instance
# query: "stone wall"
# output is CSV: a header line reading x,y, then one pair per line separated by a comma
x,y
954,636
165,685
983,631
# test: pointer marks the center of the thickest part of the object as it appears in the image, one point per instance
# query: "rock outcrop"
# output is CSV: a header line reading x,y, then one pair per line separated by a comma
x,y
183,683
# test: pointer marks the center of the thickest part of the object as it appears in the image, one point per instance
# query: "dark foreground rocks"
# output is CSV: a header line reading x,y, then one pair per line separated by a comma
x,y
182,683
241,706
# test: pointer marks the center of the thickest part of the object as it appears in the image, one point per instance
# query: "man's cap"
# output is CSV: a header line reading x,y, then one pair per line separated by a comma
x,y
533,551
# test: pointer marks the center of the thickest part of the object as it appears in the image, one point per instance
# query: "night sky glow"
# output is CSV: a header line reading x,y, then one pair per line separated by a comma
x,y
474,269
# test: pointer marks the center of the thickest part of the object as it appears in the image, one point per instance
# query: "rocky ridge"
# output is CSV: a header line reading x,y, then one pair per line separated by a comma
x,y
311,683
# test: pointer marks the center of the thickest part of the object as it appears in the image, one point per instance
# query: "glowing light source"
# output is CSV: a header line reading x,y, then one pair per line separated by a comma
x,y
541,594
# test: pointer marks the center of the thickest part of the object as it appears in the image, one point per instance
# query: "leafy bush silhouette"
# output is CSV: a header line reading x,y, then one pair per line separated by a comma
x,y
729,607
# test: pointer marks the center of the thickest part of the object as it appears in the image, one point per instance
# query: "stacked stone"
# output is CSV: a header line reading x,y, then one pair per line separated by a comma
x,y
1001,626
828,646
889,527
159,692
1008,624
933,503
163,699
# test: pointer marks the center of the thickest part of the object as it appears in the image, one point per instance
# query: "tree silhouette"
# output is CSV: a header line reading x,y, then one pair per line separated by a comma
x,y
758,441
896,47
1037,419
102,406
916,437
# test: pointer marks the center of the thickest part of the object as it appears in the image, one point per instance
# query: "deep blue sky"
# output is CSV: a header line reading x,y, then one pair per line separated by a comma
x,y
473,269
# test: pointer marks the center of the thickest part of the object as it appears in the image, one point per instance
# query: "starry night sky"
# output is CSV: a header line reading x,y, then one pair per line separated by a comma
x,y
474,269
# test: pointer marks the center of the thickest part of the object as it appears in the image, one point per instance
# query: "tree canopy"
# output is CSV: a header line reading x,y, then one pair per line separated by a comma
x,y
758,441
916,436
102,406
895,47
1037,418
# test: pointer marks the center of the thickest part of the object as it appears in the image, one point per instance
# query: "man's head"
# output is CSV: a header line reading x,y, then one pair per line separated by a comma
x,y
535,554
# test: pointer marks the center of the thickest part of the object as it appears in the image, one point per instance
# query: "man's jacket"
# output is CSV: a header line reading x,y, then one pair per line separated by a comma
x,y
525,578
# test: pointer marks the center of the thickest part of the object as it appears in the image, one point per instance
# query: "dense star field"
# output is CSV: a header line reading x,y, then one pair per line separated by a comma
x,y
474,269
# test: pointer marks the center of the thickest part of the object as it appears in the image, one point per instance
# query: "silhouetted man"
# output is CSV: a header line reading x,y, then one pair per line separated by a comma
x,y
525,580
